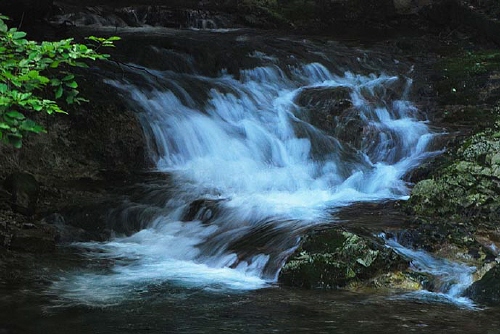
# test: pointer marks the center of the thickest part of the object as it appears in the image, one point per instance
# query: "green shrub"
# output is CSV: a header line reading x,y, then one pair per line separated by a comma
x,y
33,76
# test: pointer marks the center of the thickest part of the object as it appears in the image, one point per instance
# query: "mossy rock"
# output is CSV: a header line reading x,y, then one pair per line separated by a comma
x,y
334,258
487,289
469,186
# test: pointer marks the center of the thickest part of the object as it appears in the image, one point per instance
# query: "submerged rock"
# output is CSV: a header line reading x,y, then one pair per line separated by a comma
x,y
336,258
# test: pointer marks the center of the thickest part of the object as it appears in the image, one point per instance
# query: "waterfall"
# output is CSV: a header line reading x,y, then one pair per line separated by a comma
x,y
247,142
248,164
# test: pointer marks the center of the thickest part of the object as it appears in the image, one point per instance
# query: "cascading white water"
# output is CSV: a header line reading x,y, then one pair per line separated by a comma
x,y
451,278
242,141
244,144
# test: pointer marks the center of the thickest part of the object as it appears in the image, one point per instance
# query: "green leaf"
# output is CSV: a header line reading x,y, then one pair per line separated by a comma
x,y
31,126
72,84
27,67
36,105
80,64
33,74
18,35
5,101
59,92
15,115
95,39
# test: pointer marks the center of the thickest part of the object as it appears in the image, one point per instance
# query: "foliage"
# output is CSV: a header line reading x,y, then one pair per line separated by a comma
x,y
33,76
464,73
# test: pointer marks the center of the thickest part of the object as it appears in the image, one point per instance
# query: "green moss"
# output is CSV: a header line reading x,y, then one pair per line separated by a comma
x,y
469,186
336,258
463,73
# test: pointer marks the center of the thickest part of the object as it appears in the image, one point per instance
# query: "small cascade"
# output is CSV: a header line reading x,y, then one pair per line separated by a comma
x,y
449,279
248,160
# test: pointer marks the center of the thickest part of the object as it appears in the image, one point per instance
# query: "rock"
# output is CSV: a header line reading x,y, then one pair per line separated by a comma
x,y
203,210
335,258
324,106
65,233
405,7
24,190
487,289
21,10
331,110
468,186
41,239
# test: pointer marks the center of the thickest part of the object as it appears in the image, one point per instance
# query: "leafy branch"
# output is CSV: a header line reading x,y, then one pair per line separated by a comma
x,y
36,77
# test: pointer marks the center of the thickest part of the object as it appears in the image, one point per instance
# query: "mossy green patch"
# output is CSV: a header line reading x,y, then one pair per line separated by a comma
x,y
467,187
336,258
463,74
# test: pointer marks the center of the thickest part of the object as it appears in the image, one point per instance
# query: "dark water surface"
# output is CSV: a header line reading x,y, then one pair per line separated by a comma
x,y
168,309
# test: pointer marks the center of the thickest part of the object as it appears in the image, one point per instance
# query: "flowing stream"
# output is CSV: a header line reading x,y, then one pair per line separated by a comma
x,y
249,169
255,139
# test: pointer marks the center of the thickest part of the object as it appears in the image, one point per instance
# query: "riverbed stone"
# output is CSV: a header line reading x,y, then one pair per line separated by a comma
x,y
336,258
324,106
487,289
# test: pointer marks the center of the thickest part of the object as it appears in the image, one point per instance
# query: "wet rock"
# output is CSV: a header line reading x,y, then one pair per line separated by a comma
x,y
203,210
399,280
87,222
469,186
323,106
141,15
487,289
24,190
41,239
336,258
331,110
64,232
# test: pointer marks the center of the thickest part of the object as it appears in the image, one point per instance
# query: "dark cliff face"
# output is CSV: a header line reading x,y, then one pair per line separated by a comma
x,y
20,10
316,16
